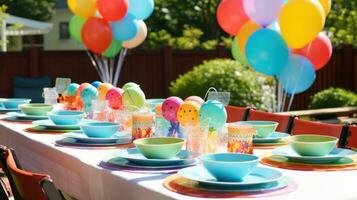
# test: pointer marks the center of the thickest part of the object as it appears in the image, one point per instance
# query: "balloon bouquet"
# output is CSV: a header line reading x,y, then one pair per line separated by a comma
x,y
280,38
107,28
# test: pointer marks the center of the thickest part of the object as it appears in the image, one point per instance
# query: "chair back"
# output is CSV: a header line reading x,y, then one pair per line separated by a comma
x,y
235,113
285,121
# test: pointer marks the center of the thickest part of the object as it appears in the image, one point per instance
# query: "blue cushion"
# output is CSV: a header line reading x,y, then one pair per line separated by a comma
x,y
31,88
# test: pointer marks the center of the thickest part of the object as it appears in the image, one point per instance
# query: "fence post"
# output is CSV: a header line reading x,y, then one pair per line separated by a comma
x,y
221,51
168,68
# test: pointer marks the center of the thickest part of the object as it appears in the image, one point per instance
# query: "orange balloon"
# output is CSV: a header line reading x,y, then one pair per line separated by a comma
x,y
244,33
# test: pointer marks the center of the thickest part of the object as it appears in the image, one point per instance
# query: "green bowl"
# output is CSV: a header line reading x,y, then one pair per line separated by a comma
x,y
36,108
159,148
264,129
312,145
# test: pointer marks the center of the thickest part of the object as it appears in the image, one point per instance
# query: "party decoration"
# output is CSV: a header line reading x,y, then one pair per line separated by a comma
x,y
318,52
139,38
300,22
213,113
125,29
83,8
326,5
72,89
196,99
141,9
237,53
129,85
113,49
244,33
96,83
231,16
75,27
114,97
267,52
298,75
96,34
88,94
170,108
81,87
263,12
103,90
188,113
133,99
113,10
70,96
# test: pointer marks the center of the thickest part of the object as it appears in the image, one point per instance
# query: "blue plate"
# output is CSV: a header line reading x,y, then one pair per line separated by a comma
x,y
74,142
335,155
50,125
83,138
21,115
133,155
6,110
126,163
275,137
259,175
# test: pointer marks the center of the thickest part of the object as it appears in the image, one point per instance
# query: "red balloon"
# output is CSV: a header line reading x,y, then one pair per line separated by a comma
x,y
113,10
319,51
231,16
97,34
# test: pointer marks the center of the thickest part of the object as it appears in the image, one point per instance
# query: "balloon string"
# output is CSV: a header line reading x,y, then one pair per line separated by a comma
x,y
111,64
291,101
119,65
94,64
100,67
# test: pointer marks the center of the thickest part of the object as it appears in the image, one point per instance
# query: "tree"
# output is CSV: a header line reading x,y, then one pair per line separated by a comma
x,y
41,10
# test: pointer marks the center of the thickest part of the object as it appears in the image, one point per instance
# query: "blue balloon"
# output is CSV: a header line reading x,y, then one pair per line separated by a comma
x,y
267,52
72,89
298,75
213,113
141,9
125,29
96,84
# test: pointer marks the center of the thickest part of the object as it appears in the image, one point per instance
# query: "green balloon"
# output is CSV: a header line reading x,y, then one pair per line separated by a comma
x,y
129,85
113,49
133,99
75,27
237,53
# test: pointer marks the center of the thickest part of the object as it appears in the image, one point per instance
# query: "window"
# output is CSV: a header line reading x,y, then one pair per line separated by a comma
x,y
63,31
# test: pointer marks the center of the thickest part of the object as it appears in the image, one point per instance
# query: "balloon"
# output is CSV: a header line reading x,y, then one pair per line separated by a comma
x,y
267,52
114,97
141,9
88,94
170,108
103,90
96,83
237,54
81,87
129,85
196,99
300,22
263,12
72,89
298,75
125,29
83,8
231,16
113,10
188,113
139,38
96,34
244,33
213,113
318,52
133,99
326,5
75,27
274,26
113,49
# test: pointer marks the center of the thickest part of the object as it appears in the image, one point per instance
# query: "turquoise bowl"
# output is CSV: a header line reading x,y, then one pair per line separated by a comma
x,y
65,117
99,129
263,129
36,108
14,102
159,148
312,145
229,167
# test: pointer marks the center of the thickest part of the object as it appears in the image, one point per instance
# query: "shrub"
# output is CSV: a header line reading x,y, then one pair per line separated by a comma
x,y
333,97
247,87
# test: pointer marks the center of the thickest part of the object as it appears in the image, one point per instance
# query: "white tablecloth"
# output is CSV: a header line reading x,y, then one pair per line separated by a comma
x,y
76,172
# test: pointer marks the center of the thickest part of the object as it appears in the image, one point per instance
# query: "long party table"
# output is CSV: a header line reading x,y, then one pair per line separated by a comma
x,y
76,172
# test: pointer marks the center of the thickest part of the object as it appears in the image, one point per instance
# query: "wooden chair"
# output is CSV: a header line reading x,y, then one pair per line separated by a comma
x,y
285,121
235,113
301,127
26,185
350,138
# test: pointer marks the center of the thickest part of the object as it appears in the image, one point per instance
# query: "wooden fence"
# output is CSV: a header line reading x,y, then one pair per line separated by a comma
x,y
155,69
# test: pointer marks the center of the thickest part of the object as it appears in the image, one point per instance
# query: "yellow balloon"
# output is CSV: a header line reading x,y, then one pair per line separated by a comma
x,y
103,89
83,8
244,33
300,22
188,113
326,5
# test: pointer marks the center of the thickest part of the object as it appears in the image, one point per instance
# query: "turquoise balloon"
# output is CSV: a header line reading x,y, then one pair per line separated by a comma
x,y
267,52
298,75
125,29
237,54
72,89
213,113
141,9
